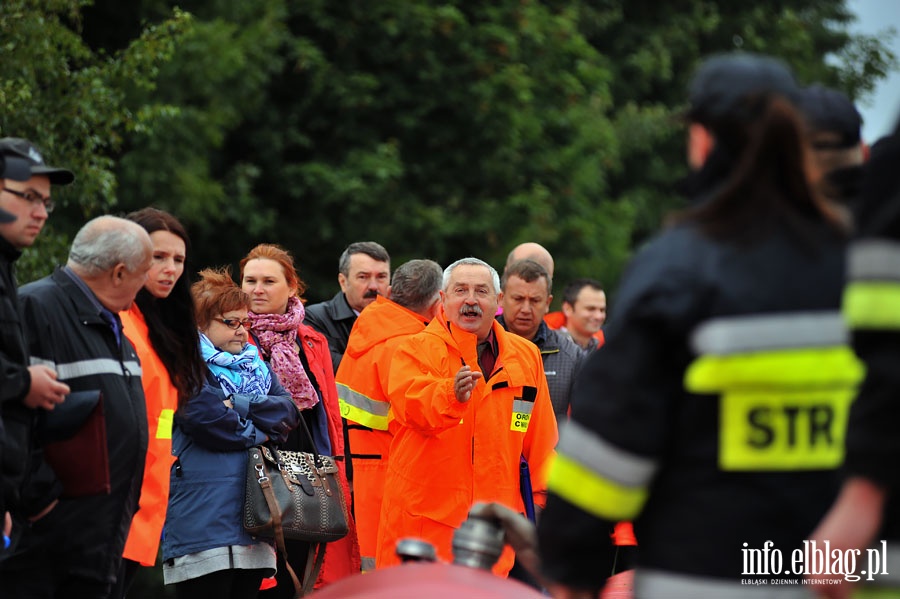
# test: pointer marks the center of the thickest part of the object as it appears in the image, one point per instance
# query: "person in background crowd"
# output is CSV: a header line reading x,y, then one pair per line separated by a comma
x,y
71,539
713,415
206,551
868,508
362,383
162,327
364,273
469,401
531,251
526,298
299,356
23,211
835,135
584,310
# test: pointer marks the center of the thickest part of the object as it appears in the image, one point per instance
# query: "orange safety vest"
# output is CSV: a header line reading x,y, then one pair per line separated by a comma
x,y
362,382
447,455
142,544
557,320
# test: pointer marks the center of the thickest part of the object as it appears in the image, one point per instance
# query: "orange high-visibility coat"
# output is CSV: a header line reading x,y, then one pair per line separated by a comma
x,y
362,383
447,455
142,544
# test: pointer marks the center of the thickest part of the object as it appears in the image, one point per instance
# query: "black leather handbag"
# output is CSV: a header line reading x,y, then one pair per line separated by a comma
x,y
295,495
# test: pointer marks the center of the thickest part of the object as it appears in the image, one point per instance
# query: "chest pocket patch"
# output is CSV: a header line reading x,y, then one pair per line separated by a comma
x,y
521,410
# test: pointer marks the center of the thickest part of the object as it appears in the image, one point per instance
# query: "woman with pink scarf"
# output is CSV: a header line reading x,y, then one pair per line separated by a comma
x,y
300,357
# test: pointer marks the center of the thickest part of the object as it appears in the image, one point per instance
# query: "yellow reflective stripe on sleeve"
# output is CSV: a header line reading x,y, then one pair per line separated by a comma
x,y
872,305
164,426
592,493
808,368
361,409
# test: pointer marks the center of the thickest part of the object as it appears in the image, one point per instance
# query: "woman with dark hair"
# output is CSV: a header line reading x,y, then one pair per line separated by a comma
x,y
161,326
206,551
714,415
300,357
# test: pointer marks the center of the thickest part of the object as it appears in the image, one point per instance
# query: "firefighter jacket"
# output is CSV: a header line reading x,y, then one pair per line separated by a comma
x,y
872,310
362,383
82,535
447,455
713,417
161,396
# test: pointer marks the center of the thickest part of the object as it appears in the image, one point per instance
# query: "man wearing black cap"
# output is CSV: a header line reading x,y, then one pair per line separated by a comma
x,y
24,206
834,126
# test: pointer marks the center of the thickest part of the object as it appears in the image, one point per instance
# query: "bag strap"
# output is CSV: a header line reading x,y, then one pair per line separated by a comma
x,y
313,566
275,512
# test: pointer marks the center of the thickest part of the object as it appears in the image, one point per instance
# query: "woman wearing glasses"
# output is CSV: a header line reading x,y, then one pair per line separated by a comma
x,y
161,326
206,552
300,357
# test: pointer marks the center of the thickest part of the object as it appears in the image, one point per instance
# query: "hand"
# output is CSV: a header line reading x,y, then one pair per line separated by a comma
x,y
228,403
464,383
45,391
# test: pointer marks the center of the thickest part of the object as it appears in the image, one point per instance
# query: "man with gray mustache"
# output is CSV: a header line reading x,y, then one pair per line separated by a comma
x,y
468,401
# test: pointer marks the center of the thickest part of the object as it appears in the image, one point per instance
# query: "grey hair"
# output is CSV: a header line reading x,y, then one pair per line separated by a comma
x,y
495,278
415,283
106,241
373,250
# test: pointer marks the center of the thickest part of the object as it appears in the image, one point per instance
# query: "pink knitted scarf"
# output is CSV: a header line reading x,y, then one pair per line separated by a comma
x,y
277,334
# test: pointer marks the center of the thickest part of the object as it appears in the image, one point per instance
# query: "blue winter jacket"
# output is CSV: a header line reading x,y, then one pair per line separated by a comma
x,y
210,442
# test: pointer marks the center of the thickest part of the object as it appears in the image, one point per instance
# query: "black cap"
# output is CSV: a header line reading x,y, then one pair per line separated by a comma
x,y
723,82
17,147
828,110
16,169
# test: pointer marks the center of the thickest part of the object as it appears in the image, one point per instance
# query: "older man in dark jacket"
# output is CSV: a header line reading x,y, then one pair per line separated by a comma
x,y
73,546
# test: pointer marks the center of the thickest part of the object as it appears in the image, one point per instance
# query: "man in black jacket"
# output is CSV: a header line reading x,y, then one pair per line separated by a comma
x,y
24,207
364,272
73,545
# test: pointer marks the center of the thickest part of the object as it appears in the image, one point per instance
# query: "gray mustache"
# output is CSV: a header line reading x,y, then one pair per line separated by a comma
x,y
474,310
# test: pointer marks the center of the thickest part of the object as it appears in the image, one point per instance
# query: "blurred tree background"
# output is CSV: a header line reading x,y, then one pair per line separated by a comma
x,y
440,129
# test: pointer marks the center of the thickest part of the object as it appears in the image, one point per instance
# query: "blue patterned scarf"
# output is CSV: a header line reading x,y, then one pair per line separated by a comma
x,y
237,373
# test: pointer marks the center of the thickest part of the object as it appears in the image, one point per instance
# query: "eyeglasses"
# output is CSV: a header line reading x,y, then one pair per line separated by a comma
x,y
33,197
235,323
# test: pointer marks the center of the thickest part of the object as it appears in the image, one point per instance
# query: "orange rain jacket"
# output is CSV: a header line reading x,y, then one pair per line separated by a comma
x,y
447,455
142,544
362,383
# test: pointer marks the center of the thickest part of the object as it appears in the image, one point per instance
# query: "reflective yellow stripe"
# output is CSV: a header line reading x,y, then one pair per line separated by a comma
x,y
809,368
164,427
361,409
592,493
872,305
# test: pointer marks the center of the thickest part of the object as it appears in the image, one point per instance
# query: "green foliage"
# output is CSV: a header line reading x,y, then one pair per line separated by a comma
x,y
73,103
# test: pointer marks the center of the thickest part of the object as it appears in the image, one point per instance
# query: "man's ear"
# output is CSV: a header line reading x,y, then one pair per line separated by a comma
x,y
388,294
567,309
118,274
549,301
342,281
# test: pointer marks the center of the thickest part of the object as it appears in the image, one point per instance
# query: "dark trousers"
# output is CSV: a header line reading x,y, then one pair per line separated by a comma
x,y
298,551
224,584
45,583
127,571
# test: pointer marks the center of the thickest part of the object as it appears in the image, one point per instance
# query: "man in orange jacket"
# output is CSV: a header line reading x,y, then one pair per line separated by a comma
x,y
468,400
362,383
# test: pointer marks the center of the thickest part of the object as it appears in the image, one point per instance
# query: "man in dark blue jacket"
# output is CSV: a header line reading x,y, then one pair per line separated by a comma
x,y
73,544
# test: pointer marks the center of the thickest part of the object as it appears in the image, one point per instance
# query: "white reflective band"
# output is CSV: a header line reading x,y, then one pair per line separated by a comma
x,y
873,259
656,583
605,459
366,404
759,332
74,370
